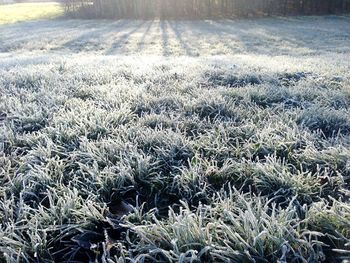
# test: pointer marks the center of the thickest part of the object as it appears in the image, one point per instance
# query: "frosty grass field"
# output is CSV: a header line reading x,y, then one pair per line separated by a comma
x,y
175,141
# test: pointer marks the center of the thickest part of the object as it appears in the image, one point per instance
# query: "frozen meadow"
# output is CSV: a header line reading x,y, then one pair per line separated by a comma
x,y
175,141
291,36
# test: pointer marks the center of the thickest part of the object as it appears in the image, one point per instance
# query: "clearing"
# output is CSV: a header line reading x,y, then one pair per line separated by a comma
x,y
175,141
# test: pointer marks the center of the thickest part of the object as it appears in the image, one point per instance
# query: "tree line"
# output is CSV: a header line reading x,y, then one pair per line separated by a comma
x,y
193,9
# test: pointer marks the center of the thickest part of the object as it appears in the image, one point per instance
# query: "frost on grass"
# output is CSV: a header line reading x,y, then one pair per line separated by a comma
x,y
242,158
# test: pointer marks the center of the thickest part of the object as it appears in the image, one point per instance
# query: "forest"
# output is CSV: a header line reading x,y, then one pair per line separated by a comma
x,y
199,9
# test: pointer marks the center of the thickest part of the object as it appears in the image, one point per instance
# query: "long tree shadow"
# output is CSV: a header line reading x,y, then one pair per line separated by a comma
x,y
141,43
165,38
279,35
214,35
23,34
252,35
184,45
120,42
37,27
92,36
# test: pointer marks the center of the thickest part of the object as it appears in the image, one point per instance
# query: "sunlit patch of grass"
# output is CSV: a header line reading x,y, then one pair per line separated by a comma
x,y
13,13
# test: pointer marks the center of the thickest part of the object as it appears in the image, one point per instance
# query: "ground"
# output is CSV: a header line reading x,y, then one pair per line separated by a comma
x,y
175,141
295,37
